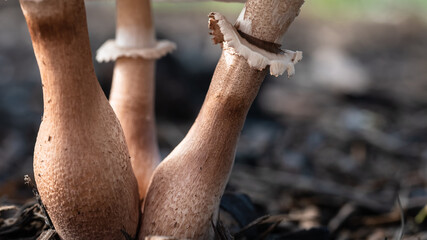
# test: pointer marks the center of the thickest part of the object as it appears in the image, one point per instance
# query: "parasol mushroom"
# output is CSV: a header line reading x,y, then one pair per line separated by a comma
x,y
183,198
135,50
81,162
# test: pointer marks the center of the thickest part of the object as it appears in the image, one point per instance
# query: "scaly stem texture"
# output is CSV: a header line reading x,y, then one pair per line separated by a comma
x,y
186,188
132,92
81,162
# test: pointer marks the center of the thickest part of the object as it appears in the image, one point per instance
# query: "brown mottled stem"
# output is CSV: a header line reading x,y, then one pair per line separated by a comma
x,y
186,188
132,92
81,162
268,20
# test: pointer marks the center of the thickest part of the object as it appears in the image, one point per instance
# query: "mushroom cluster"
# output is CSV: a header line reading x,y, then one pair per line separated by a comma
x,y
97,164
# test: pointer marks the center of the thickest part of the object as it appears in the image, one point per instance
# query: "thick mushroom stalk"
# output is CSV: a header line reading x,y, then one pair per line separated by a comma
x,y
185,191
135,50
81,161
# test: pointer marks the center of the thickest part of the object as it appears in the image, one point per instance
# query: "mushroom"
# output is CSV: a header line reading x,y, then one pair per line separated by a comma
x,y
81,162
135,50
241,1
183,198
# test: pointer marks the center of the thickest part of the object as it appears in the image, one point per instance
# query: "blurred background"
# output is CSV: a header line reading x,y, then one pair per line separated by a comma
x,y
333,145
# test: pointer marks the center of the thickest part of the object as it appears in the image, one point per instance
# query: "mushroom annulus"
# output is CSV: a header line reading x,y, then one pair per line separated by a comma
x,y
81,162
185,191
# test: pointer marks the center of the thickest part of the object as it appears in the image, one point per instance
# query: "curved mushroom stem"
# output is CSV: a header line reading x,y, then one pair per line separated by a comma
x,y
132,92
81,162
186,188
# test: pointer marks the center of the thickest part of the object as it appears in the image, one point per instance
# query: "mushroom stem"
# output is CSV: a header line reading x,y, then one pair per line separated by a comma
x,y
81,162
132,92
185,191
134,27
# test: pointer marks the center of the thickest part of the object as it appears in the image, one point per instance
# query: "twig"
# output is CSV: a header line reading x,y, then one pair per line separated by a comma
x,y
33,187
402,219
344,213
